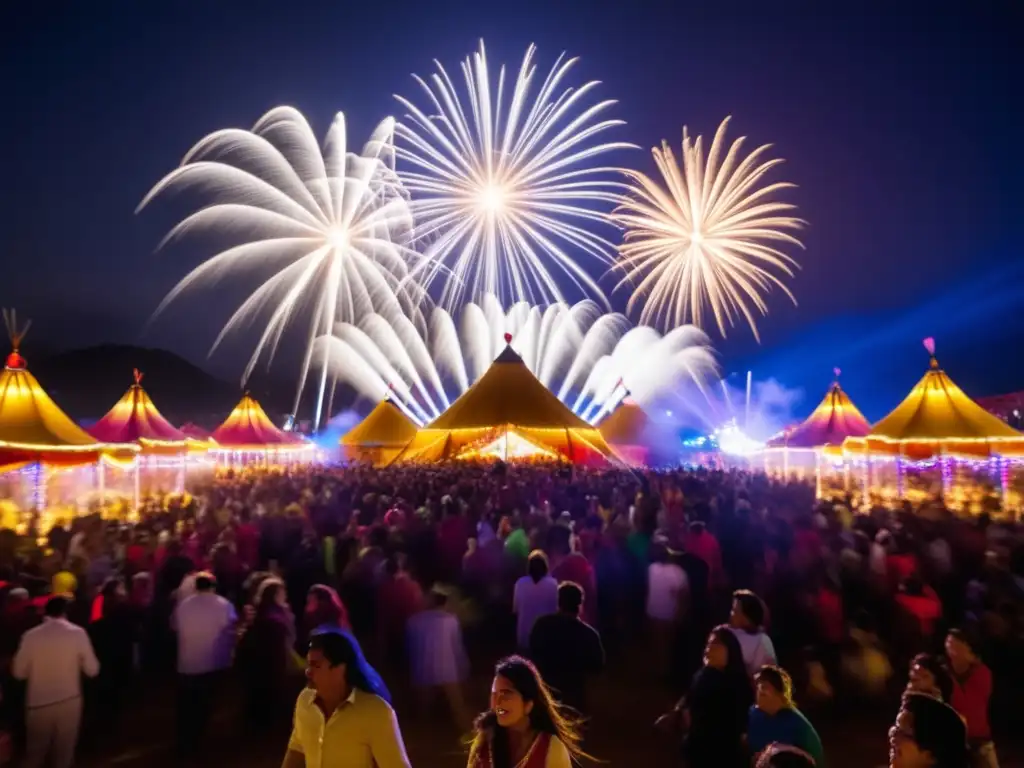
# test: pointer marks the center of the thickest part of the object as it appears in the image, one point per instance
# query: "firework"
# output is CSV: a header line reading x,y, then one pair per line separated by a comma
x,y
328,224
502,178
709,236
586,357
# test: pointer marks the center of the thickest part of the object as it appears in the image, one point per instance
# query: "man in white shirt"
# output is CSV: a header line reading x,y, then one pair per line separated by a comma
x,y
205,623
52,658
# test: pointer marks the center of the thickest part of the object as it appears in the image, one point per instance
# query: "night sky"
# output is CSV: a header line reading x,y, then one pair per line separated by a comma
x,y
902,130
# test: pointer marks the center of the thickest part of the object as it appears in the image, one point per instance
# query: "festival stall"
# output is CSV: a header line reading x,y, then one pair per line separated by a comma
x,y
47,462
509,415
803,450
938,440
627,430
380,437
248,438
165,450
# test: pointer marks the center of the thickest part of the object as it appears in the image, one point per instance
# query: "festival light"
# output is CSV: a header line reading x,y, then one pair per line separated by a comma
x,y
732,441
329,223
705,237
503,181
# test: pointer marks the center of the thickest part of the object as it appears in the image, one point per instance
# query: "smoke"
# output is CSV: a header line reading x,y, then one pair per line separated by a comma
x,y
335,429
772,407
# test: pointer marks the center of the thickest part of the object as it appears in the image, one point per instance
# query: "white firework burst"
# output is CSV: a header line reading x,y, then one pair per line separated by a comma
x,y
707,236
586,357
502,179
328,224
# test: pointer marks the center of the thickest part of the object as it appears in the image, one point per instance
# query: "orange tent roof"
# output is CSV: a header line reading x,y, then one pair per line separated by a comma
x,y
937,417
33,428
134,418
508,397
835,419
385,425
248,426
625,425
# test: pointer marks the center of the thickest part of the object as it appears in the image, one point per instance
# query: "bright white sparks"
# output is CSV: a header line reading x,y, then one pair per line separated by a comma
x,y
328,224
707,236
585,357
502,179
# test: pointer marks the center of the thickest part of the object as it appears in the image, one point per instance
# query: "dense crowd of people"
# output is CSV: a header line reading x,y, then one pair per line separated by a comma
x,y
745,593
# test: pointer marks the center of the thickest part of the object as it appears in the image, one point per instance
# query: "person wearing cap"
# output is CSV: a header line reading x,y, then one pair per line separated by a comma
x,y
927,734
205,623
774,718
437,654
972,689
52,658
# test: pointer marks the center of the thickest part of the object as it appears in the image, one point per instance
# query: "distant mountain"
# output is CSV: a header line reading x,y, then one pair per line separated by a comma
x,y
87,382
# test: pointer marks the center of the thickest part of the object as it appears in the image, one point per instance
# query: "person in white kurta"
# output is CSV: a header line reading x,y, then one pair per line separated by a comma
x,y
52,658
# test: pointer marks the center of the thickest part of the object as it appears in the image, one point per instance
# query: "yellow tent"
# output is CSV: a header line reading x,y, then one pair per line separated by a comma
x,y
34,429
627,430
938,419
380,437
508,414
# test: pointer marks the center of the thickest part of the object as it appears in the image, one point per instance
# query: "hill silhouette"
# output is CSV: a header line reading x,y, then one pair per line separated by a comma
x,y
87,382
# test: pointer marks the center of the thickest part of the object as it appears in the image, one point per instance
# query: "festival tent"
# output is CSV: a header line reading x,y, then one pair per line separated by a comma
x,y
835,419
800,448
937,424
35,431
248,434
380,437
938,419
134,419
627,430
508,414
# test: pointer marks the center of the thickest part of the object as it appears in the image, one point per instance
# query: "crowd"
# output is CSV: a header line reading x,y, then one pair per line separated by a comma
x,y
746,595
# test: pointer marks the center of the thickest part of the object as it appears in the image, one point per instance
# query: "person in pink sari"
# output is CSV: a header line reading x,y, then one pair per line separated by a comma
x,y
524,727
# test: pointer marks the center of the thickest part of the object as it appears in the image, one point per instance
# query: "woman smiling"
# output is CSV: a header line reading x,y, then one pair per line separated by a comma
x,y
524,727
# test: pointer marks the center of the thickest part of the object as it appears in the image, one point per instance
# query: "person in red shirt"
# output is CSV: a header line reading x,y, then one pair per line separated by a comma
x,y
704,545
921,605
972,688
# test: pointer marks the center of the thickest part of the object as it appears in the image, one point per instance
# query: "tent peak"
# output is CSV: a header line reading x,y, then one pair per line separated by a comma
x,y
14,360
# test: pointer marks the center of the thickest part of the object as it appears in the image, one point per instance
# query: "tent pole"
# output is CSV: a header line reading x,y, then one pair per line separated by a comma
x,y
181,472
138,462
899,472
101,482
817,475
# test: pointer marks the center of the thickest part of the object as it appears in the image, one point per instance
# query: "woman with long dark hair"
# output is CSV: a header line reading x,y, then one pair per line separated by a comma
x,y
524,727
713,713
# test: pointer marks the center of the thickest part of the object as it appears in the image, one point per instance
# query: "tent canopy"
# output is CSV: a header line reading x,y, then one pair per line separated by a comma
x,y
385,425
134,418
34,429
249,427
835,419
937,417
508,398
626,425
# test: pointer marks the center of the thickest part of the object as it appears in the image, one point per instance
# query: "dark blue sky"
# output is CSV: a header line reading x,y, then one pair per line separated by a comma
x,y
901,128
